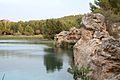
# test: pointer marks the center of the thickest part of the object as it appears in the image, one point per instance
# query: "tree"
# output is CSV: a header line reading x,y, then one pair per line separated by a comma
x,y
52,27
5,27
106,5
48,28
29,30
20,28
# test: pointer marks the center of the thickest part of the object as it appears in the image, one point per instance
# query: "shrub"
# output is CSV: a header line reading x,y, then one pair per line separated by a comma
x,y
81,73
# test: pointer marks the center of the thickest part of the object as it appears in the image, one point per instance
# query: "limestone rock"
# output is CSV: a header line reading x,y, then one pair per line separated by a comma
x,y
106,61
67,37
59,38
94,47
94,21
97,49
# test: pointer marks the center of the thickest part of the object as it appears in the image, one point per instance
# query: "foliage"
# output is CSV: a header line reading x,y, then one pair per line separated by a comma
x,y
23,37
20,29
109,8
29,30
48,28
81,73
52,27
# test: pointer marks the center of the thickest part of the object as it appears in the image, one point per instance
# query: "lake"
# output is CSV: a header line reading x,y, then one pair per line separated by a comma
x,y
33,60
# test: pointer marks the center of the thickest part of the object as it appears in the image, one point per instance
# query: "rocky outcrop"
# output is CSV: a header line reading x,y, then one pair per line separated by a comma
x,y
94,47
67,38
97,49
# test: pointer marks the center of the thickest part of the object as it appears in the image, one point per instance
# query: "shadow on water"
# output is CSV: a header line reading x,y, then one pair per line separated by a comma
x,y
53,60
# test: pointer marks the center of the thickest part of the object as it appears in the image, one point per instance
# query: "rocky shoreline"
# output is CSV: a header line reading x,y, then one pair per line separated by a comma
x,y
94,47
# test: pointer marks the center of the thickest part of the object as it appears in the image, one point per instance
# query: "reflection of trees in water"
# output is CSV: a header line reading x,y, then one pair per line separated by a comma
x,y
53,59
59,51
52,63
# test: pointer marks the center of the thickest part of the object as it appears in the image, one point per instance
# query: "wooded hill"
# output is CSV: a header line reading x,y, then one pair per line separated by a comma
x,y
48,28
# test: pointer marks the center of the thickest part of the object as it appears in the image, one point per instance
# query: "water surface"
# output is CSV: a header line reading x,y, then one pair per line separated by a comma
x,y
33,60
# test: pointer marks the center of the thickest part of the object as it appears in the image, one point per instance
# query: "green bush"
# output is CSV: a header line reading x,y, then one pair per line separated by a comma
x,y
81,73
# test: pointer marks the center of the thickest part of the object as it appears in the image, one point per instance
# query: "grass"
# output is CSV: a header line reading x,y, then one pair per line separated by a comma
x,y
3,76
22,37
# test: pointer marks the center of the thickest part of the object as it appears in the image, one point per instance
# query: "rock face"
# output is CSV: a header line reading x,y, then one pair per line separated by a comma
x,y
97,49
94,47
67,37
106,61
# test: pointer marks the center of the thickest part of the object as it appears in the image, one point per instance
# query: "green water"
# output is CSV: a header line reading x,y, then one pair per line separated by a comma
x,y
33,60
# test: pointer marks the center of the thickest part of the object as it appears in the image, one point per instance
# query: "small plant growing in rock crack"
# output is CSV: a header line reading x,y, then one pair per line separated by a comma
x,y
3,76
81,73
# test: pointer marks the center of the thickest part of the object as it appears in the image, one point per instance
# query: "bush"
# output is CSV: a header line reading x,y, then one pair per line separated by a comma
x,y
81,73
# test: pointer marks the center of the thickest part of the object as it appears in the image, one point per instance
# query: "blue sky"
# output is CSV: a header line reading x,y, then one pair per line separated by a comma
x,y
41,9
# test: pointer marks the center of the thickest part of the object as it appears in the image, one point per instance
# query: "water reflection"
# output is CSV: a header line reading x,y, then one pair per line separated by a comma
x,y
53,60
52,63
33,60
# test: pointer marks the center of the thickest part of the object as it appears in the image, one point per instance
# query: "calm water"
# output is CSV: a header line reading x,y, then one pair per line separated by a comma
x,y
33,60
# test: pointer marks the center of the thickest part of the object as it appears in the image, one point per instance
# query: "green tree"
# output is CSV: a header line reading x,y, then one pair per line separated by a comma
x,y
5,27
52,27
20,28
48,28
29,30
109,8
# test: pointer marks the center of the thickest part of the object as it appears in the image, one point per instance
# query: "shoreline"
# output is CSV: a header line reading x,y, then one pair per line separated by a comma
x,y
21,37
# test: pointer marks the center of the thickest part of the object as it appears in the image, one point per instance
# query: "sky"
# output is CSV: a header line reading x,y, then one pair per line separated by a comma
x,y
16,10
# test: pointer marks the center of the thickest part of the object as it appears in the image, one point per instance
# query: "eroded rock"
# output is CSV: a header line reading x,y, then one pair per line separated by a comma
x,y
94,47
97,49
67,38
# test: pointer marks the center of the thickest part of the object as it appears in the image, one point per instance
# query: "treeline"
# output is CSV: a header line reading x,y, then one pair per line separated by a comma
x,y
48,28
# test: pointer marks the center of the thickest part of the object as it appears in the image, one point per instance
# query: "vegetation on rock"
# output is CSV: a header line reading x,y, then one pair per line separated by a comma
x,y
111,10
81,73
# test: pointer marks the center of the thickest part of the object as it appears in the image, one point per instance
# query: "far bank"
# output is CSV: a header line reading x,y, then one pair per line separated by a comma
x,y
22,37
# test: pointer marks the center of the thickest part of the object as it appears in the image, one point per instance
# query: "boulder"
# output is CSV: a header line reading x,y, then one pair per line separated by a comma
x,y
59,38
94,21
67,38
